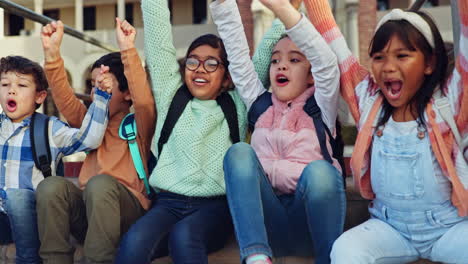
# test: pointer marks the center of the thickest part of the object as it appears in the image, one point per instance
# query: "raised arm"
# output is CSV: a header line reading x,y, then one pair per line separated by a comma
x,y
138,85
90,134
262,56
160,52
458,86
62,93
226,16
352,73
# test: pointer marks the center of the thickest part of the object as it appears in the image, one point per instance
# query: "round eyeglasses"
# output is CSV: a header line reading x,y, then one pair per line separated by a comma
x,y
210,65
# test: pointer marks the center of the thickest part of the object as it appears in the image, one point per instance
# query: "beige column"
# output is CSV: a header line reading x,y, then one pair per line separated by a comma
x,y
79,15
2,23
38,8
121,9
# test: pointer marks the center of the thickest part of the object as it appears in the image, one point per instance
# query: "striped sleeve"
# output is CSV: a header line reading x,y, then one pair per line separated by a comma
x,y
458,84
352,73
89,136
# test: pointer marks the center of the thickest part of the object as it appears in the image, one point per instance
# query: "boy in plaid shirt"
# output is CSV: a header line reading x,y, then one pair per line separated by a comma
x,y
22,91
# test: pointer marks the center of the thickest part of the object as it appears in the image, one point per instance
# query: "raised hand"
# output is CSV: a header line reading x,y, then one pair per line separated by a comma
x,y
51,38
105,80
275,4
125,34
284,10
296,3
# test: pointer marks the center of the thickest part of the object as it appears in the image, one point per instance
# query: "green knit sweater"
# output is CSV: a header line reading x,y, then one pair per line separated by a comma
x,y
191,162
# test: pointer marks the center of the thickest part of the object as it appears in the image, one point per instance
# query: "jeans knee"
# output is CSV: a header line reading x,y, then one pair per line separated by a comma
x,y
239,160
239,152
321,180
20,201
340,250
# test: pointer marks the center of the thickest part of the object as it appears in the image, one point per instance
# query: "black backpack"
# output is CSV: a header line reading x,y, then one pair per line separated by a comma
x,y
177,107
39,137
264,101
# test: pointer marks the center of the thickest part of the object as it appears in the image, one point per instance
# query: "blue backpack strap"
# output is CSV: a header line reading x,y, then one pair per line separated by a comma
x,y
128,132
313,110
258,107
40,143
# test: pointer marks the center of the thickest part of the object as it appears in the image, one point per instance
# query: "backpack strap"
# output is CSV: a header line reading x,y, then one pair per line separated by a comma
x,y
128,132
177,107
229,109
313,110
39,136
259,106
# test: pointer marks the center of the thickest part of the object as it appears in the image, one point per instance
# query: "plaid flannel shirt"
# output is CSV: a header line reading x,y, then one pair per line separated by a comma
x,y
17,169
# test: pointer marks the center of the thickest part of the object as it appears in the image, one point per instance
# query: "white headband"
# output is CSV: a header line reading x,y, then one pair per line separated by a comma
x,y
414,19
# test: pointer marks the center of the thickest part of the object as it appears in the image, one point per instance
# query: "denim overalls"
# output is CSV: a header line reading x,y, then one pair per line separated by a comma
x,y
412,215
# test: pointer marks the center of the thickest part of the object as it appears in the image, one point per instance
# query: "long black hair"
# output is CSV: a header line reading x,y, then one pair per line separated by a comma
x,y
414,40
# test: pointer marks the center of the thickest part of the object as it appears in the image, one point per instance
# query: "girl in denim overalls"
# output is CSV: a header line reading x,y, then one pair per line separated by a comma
x,y
405,157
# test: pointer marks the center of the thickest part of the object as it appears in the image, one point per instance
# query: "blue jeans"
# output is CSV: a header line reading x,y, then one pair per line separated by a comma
x,y
21,210
280,225
186,228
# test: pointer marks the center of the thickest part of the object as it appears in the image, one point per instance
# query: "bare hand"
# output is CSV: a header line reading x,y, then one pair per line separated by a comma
x,y
275,5
105,80
284,10
296,3
125,33
51,37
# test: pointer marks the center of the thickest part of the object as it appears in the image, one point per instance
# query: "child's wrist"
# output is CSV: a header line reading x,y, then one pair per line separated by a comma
x,y
51,56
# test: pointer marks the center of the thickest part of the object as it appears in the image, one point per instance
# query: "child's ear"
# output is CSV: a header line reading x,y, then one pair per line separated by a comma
x,y
40,97
127,96
310,80
227,82
430,66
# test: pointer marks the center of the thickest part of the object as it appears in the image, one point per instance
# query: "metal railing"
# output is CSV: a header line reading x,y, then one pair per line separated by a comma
x,y
22,11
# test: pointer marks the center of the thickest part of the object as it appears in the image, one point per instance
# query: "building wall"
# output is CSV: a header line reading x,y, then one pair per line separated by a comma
x,y
182,12
67,15
105,16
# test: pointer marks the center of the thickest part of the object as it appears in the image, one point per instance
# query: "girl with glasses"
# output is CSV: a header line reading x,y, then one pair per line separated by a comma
x,y
190,215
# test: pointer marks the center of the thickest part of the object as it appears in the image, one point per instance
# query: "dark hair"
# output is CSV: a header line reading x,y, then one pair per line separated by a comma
x,y
414,40
25,66
216,43
116,67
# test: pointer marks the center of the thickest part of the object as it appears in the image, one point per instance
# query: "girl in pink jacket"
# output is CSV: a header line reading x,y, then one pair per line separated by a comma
x,y
284,196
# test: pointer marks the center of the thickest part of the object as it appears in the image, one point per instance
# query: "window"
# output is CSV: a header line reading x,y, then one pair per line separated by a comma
x,y
15,25
382,5
199,11
89,18
52,13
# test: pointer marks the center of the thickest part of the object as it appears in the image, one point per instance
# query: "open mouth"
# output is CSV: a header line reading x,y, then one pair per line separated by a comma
x,y
282,80
200,81
393,88
11,105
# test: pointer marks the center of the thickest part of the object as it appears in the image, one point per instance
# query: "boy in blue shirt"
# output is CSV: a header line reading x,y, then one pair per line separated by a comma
x,y
23,89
